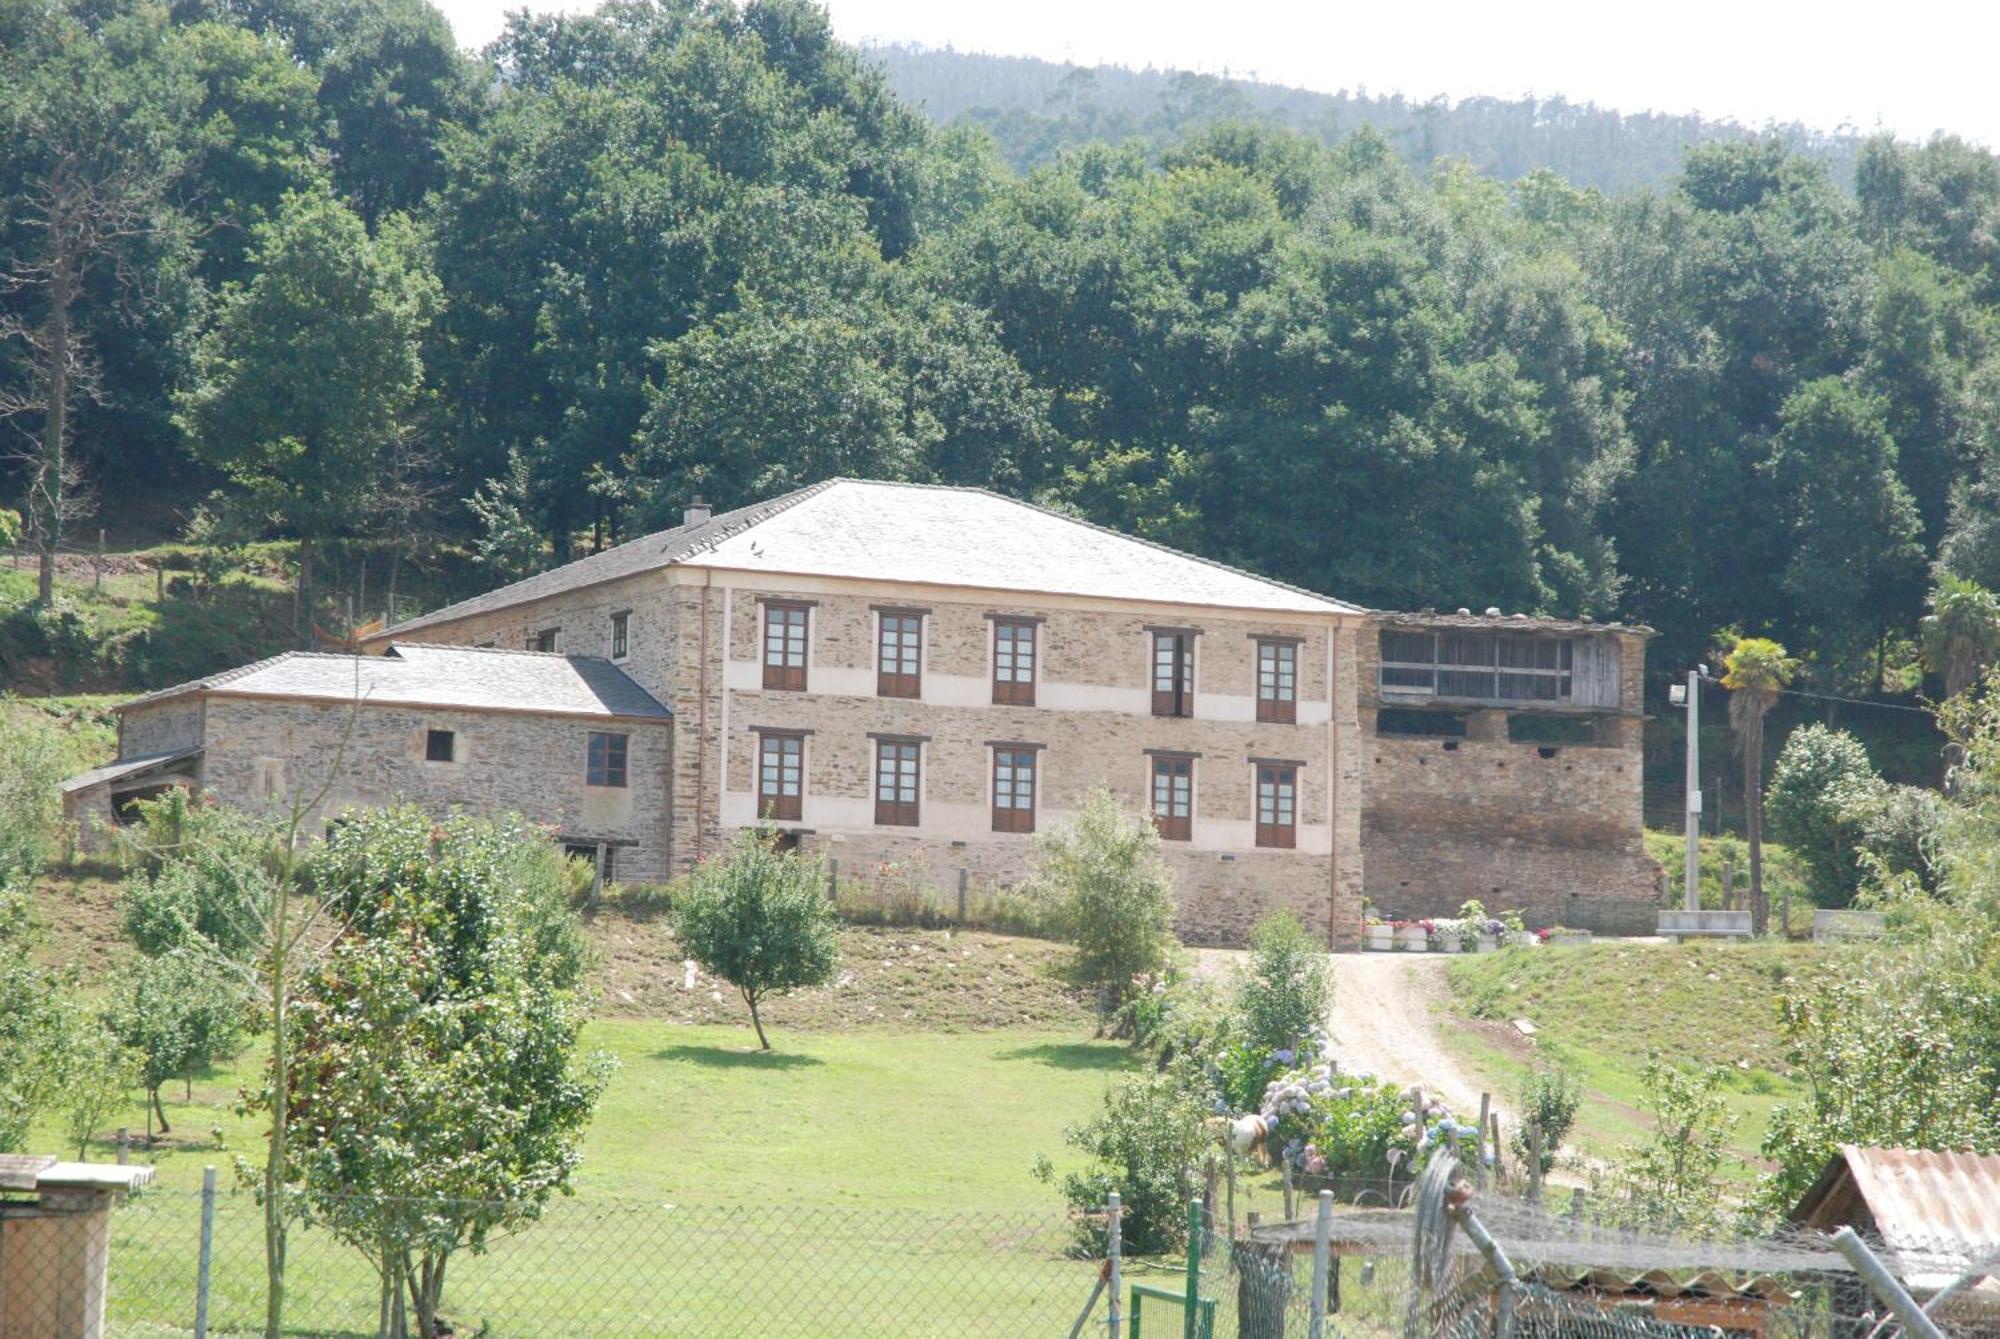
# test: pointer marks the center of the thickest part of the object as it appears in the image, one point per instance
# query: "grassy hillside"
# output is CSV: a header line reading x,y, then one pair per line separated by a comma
x,y
1604,1008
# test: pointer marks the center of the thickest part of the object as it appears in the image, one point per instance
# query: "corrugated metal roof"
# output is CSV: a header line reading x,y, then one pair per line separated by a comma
x,y
1933,1202
927,533
464,677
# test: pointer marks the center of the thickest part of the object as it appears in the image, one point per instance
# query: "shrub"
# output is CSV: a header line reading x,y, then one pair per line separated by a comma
x,y
1822,780
1107,891
1672,1180
33,760
1549,1098
1147,1144
1283,998
759,919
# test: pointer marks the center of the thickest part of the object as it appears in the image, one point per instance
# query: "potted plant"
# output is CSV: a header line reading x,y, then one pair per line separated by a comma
x,y
1411,936
1379,935
1491,932
1446,935
1561,936
1515,931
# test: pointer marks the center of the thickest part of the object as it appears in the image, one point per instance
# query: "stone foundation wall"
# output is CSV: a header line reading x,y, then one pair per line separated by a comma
x,y
1553,831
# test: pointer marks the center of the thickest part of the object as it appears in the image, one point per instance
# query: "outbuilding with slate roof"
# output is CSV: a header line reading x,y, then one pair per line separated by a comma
x,y
569,741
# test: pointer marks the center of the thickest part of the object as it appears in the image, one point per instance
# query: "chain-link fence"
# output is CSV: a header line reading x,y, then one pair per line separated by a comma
x,y
1495,1267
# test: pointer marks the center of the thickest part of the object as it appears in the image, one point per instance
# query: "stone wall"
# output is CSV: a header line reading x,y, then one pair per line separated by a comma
x,y
1093,723
1553,830
160,727
261,754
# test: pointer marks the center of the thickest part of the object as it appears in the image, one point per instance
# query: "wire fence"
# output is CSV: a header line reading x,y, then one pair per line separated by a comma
x,y
1423,1268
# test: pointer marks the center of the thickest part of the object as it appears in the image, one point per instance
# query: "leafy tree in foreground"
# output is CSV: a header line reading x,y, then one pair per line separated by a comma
x,y
759,919
1284,994
438,1093
174,1014
1755,671
1109,893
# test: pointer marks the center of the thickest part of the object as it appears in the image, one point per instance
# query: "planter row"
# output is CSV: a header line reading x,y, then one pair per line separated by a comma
x,y
1385,939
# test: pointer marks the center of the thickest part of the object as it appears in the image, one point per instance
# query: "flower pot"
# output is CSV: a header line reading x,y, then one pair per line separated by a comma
x,y
1486,943
1570,939
1381,938
1444,946
1522,939
1412,940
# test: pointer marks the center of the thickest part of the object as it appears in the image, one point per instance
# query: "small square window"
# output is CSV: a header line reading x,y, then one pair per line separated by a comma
x,y
621,627
440,746
606,765
545,640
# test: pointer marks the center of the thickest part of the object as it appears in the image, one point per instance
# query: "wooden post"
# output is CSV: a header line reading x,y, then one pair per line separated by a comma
x,y
1479,1147
205,1253
1285,1164
1497,1146
1114,1252
1576,1205
1325,1293
124,1146
964,878
833,879
159,583
97,563
1535,1164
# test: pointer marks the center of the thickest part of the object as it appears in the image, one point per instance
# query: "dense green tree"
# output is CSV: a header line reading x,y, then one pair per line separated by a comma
x,y
90,149
759,918
1855,558
1961,634
313,368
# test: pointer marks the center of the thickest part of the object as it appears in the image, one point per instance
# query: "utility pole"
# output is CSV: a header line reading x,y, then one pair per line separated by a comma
x,y
1692,890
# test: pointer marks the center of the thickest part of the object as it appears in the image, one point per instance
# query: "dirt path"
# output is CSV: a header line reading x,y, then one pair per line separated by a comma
x,y
1385,1021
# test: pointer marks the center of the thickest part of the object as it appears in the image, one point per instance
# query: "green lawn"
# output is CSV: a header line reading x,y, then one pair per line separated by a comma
x,y
1604,1007
862,1182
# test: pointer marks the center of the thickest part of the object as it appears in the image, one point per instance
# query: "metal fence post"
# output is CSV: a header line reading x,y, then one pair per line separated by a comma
x,y
1114,1245
1877,1276
1191,1326
1322,1247
207,1245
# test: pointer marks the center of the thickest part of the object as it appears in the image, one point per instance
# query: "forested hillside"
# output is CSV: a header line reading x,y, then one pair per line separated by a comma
x,y
1034,109
300,271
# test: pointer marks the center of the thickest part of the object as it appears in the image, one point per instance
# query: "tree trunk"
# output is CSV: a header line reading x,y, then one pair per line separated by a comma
x,y
47,502
162,1113
1753,823
389,601
302,597
755,1021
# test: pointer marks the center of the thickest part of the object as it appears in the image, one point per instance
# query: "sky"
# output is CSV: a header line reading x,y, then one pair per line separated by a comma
x,y
1911,67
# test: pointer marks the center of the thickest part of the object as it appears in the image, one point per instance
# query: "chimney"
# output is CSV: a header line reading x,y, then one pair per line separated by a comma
x,y
696,513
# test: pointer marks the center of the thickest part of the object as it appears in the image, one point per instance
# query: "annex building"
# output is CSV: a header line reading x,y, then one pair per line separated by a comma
x,y
922,678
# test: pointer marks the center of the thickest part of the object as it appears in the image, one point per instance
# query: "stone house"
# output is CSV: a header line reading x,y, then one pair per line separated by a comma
x,y
569,741
914,680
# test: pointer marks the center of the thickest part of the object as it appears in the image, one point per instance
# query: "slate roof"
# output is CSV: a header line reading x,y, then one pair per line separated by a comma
x,y
921,533
124,767
463,677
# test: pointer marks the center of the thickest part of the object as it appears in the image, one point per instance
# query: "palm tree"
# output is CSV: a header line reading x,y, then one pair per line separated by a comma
x,y
1755,671
1961,632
